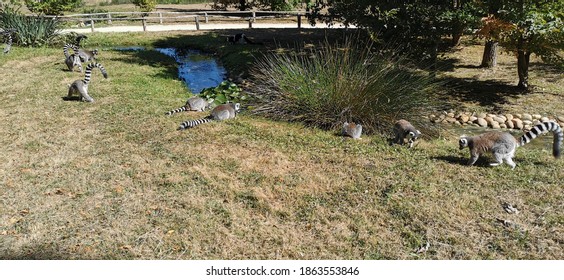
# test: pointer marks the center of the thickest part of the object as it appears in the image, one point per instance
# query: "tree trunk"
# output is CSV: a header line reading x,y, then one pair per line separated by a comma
x,y
456,37
489,59
523,68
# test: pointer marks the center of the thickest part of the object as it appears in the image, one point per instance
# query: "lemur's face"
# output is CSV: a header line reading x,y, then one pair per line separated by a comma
x,y
463,143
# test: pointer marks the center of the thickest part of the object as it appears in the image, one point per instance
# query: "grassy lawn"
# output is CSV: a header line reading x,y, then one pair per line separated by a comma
x,y
115,180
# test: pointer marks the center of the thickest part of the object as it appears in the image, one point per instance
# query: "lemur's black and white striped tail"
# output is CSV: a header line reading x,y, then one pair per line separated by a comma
x,y
181,109
70,46
543,128
8,42
88,72
194,123
7,33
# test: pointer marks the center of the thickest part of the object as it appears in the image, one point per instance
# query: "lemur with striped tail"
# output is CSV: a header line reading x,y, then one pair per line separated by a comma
x,y
503,145
194,103
81,86
7,34
219,113
72,60
352,129
85,55
405,130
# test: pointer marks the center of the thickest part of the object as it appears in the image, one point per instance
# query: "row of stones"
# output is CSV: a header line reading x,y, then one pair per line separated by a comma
x,y
513,121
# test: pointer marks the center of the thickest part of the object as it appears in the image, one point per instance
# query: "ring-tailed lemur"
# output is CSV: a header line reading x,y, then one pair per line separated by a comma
x,y
403,129
72,60
85,55
503,145
239,38
7,33
194,103
81,86
353,130
219,113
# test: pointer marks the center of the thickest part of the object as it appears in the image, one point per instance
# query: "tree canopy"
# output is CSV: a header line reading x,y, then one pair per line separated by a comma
x,y
275,5
523,26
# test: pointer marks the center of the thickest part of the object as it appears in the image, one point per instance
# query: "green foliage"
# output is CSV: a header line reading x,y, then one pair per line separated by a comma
x,y
416,25
280,5
94,10
145,5
461,20
183,1
52,7
223,93
342,82
274,5
538,28
33,31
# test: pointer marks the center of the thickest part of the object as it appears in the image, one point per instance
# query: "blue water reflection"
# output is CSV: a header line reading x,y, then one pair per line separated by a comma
x,y
196,69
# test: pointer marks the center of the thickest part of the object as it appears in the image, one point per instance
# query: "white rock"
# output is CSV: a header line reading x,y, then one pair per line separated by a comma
x,y
517,123
482,122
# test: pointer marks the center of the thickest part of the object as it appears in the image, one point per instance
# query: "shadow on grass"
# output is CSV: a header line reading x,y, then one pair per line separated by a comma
x,y
71,98
452,159
488,93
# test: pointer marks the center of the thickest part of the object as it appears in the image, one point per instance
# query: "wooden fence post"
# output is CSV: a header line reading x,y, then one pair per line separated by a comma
x,y
299,21
92,25
252,19
197,18
206,16
109,18
161,18
144,21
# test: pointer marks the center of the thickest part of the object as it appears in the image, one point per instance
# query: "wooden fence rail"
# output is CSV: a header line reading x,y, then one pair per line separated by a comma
x,y
176,17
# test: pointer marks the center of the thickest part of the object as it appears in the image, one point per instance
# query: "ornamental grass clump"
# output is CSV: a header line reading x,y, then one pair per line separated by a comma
x,y
348,81
30,31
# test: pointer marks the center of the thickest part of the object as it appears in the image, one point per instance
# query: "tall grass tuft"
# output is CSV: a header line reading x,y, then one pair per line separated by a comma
x,y
344,81
32,31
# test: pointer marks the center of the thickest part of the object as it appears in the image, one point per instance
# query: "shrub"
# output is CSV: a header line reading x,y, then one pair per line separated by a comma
x,y
30,31
52,7
340,82
145,5
223,93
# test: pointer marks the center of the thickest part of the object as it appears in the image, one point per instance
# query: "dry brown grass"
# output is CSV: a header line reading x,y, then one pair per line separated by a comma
x,y
495,89
115,180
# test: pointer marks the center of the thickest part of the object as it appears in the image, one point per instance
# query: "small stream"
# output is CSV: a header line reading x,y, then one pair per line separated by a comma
x,y
196,69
